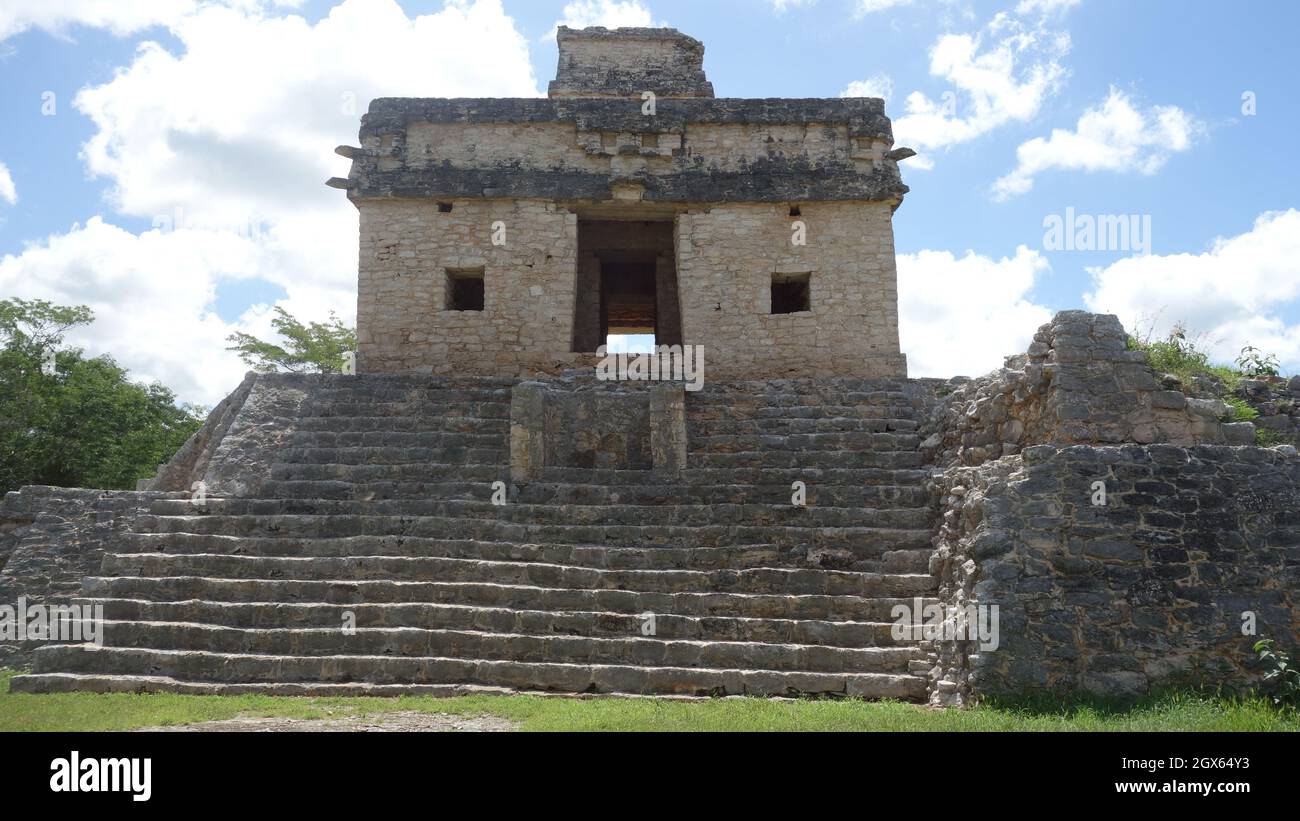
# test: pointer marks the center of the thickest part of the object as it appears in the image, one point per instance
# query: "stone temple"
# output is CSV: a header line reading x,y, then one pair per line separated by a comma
x,y
505,236
478,509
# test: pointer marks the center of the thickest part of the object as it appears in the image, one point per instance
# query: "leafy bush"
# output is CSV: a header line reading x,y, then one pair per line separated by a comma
x,y
1241,410
1267,437
1281,677
75,422
314,347
1255,363
1183,357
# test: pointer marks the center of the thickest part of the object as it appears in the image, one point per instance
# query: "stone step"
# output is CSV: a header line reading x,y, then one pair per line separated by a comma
x,y
806,460
424,616
321,382
697,477
774,398
395,455
915,560
804,443
861,541
444,643
740,411
599,556
439,440
565,515
343,392
410,424
900,559
425,472
213,669
759,580
322,409
782,425
488,594
879,496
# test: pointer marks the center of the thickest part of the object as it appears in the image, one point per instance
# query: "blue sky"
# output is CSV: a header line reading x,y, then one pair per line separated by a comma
x,y
177,186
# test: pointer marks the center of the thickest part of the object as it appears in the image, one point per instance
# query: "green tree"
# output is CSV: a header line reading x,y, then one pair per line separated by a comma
x,y
317,347
72,421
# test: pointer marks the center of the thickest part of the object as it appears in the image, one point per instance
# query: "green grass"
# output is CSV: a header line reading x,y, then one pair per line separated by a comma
x,y
1241,411
1184,360
87,711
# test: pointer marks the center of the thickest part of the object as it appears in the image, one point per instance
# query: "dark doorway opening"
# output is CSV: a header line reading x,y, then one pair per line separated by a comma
x,y
627,297
627,286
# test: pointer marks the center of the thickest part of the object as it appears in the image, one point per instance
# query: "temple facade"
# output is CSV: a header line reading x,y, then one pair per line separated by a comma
x,y
511,237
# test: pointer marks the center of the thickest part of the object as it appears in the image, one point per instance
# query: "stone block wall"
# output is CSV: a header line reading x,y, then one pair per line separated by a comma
x,y
407,249
584,423
726,259
189,464
598,61
51,538
1152,587
752,150
1277,401
233,452
1077,383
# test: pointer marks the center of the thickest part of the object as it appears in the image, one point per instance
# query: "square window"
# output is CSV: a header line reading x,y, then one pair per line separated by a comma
x,y
464,289
791,293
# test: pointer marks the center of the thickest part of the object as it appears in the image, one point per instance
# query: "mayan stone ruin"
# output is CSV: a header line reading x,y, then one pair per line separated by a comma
x,y
479,509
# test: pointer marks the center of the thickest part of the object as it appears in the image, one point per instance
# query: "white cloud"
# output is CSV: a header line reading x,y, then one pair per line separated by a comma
x,y
581,14
121,17
210,134
151,294
1045,6
782,5
872,6
218,144
8,191
964,315
1233,294
877,85
1001,75
1116,137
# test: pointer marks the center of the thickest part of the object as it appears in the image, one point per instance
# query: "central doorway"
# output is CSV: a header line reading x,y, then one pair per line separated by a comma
x,y
627,286
628,307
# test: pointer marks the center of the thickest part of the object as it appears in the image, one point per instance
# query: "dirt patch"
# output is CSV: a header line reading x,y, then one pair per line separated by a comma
x,y
400,722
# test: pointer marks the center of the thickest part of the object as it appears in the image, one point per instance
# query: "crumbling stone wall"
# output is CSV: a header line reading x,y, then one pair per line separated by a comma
x,y
1153,587
190,463
51,538
233,452
1275,399
1077,383
597,62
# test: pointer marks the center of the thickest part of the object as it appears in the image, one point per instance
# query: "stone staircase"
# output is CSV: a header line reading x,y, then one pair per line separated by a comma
x,y
378,517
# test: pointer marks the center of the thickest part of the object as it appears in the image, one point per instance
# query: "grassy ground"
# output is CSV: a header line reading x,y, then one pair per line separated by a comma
x,y
86,711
